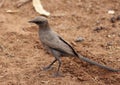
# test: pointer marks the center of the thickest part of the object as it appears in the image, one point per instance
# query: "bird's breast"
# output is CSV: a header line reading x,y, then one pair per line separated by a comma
x,y
46,36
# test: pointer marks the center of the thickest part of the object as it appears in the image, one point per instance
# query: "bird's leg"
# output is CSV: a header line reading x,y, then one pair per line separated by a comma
x,y
49,66
57,74
57,56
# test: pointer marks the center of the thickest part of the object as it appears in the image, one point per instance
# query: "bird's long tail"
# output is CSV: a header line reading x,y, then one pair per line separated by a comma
x,y
88,60
97,64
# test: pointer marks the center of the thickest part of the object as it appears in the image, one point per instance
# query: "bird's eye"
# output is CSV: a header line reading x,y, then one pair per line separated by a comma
x,y
39,22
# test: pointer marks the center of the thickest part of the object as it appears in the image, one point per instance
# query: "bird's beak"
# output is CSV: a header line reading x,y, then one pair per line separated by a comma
x,y
31,21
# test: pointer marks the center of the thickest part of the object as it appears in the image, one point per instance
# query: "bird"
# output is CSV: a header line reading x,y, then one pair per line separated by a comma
x,y
58,47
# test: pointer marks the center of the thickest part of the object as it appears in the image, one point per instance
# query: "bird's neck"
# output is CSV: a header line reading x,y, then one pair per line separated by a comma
x,y
44,27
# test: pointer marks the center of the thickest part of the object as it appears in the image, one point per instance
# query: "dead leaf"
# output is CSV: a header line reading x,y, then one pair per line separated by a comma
x,y
39,8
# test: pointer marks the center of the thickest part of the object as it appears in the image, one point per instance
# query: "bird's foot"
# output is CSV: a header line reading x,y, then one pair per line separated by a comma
x,y
47,68
57,74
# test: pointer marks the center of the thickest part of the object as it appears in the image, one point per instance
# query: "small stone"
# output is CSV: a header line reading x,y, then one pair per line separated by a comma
x,y
118,18
113,19
45,82
79,39
98,28
109,36
109,44
111,12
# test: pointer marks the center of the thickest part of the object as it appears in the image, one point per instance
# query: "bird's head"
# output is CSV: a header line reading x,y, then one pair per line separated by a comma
x,y
39,20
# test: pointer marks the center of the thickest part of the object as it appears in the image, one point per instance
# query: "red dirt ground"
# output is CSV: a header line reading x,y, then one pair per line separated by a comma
x,y
22,56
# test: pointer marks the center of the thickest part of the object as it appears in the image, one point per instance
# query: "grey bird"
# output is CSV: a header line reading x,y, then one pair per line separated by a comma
x,y
57,46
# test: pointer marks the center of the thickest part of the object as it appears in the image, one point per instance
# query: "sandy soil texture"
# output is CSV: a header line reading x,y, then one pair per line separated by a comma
x,y
22,56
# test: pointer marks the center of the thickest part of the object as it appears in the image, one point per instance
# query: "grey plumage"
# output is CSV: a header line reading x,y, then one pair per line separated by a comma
x,y
58,46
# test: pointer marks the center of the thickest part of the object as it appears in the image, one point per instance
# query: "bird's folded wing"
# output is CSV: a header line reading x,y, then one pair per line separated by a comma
x,y
57,43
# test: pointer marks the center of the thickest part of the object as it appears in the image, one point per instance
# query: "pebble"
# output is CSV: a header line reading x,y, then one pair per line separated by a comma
x,y
113,19
109,36
109,44
45,82
111,12
98,28
79,39
118,17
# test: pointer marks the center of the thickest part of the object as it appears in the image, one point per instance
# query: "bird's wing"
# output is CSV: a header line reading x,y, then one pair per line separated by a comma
x,y
54,41
69,46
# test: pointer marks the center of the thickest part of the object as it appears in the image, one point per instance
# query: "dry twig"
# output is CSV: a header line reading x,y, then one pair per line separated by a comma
x,y
22,2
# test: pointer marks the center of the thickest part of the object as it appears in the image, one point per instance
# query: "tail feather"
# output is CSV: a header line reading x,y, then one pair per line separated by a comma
x,y
97,64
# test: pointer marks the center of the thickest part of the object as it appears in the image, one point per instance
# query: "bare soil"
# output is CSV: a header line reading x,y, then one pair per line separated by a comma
x,y
22,56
